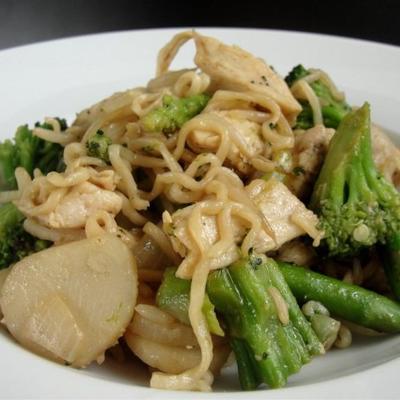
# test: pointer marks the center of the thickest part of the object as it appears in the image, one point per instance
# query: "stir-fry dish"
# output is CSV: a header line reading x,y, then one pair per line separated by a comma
x,y
219,213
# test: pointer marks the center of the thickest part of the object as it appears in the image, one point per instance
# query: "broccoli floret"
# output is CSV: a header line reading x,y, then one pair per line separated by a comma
x,y
46,125
305,120
15,242
174,113
97,146
30,152
295,74
357,207
333,110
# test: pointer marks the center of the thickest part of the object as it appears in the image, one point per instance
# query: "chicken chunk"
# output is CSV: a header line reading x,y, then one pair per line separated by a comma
x,y
72,302
309,153
310,150
233,68
76,206
248,131
297,252
286,215
386,155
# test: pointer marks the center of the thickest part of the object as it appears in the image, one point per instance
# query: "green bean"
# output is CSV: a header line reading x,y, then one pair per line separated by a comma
x,y
350,302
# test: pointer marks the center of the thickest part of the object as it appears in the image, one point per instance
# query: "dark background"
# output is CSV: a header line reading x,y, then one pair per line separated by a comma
x,y
24,21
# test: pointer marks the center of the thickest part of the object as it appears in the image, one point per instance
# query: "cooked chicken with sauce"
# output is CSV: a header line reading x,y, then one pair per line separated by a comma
x,y
233,68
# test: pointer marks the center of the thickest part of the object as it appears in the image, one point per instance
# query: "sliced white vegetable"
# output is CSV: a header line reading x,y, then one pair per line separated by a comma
x,y
74,301
3,275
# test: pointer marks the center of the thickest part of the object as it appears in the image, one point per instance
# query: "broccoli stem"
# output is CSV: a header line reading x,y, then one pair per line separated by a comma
x,y
242,294
248,375
267,350
350,302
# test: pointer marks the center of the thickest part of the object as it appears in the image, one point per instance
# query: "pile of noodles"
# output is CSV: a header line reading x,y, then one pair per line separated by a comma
x,y
167,171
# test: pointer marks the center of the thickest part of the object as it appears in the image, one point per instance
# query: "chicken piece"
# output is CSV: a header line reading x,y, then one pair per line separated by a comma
x,y
71,302
386,155
286,215
233,68
117,101
149,254
297,252
309,153
176,228
310,150
75,207
207,141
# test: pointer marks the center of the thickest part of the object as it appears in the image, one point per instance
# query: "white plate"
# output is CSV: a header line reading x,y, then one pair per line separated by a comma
x,y
59,78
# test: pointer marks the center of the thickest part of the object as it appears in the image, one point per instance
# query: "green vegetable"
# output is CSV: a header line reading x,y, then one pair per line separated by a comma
x,y
312,308
15,243
298,72
174,112
356,206
30,152
267,349
9,160
97,146
326,328
247,367
45,125
173,297
350,302
333,110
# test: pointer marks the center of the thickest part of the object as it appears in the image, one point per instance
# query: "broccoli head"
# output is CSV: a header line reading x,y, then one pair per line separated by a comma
x,y
97,146
46,125
29,151
298,72
333,110
15,242
173,113
357,207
